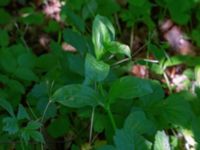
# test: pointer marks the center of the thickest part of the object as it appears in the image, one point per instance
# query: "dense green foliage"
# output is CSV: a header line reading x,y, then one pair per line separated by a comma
x,y
51,98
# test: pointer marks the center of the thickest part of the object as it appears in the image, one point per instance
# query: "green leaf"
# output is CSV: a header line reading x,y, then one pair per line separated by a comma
x,y
73,18
104,7
26,60
30,132
102,32
22,114
15,86
89,9
161,141
33,125
5,17
26,74
76,96
138,3
176,109
7,106
95,70
31,16
4,38
75,39
37,136
8,61
10,125
4,2
117,48
106,147
129,141
137,122
58,127
129,87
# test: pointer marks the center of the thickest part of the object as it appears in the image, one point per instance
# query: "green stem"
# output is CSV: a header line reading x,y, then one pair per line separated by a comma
x,y
91,125
111,118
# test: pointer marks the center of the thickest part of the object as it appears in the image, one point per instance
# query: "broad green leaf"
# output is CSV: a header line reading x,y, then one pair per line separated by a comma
x,y
76,40
76,96
104,7
5,16
4,38
22,113
161,141
89,9
138,3
138,123
129,87
95,70
76,63
27,60
58,127
53,26
125,140
15,86
117,48
30,16
7,106
42,104
33,125
8,61
107,147
26,74
176,109
157,94
102,32
37,136
30,131
73,18
10,125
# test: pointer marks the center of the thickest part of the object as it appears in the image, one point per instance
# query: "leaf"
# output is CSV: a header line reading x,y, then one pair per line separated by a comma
x,y
4,2
73,18
33,125
31,17
76,96
138,3
104,7
76,40
37,136
22,114
89,9
138,123
117,48
7,106
5,16
106,147
26,74
30,132
129,87
95,70
10,125
129,141
26,60
176,109
102,32
8,61
58,127
16,86
161,141
4,38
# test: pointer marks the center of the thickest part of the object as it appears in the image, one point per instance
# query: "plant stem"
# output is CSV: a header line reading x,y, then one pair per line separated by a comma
x,y
91,124
111,118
